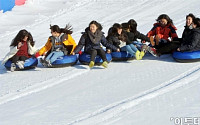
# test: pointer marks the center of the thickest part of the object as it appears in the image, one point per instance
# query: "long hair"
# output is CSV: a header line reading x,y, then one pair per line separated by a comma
x,y
114,32
197,22
99,26
165,16
190,15
132,25
19,37
68,29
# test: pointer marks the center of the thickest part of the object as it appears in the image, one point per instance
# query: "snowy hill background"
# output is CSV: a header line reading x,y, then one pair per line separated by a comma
x,y
152,91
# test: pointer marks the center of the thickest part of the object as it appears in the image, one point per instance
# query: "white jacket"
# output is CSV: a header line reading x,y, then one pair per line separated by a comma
x,y
13,50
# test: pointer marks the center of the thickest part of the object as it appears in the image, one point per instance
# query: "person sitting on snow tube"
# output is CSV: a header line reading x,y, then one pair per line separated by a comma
x,y
59,44
162,33
193,41
120,39
91,41
21,48
186,37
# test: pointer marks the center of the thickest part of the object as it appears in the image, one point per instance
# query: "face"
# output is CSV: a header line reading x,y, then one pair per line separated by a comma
x,y
25,38
189,21
119,31
93,28
54,34
163,22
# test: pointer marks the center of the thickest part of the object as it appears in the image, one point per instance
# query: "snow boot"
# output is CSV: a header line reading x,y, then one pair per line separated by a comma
x,y
141,55
105,64
91,64
20,64
152,51
42,61
13,67
137,55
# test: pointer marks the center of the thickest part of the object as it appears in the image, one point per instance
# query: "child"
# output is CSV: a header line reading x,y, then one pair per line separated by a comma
x,y
21,48
119,39
91,40
59,44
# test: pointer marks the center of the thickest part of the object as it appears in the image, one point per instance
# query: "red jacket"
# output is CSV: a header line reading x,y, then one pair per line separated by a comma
x,y
169,31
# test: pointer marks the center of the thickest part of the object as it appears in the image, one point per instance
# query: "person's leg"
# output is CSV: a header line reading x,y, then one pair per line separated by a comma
x,y
93,54
21,61
55,55
168,48
15,59
102,54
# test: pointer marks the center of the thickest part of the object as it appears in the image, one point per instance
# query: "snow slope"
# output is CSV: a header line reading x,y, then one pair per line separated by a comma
x,y
149,91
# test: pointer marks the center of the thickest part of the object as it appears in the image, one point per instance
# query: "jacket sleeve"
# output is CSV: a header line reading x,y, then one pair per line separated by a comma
x,y
194,41
80,44
45,48
106,44
10,54
142,36
31,49
70,41
152,32
173,34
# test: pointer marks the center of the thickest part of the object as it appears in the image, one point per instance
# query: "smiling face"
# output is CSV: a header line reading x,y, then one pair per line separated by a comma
x,y
189,21
163,22
93,28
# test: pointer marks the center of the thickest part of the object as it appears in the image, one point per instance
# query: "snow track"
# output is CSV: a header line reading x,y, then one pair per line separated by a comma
x,y
115,109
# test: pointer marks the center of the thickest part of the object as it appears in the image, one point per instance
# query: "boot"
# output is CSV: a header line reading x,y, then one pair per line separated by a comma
x,y
137,55
20,64
105,64
91,64
142,53
152,51
13,67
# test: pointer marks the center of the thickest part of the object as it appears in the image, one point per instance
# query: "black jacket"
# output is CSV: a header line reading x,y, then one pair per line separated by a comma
x,y
190,40
89,45
137,35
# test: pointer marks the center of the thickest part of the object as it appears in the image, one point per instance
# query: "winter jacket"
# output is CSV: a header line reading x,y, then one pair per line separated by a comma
x,y
137,35
163,32
49,46
88,44
13,50
191,41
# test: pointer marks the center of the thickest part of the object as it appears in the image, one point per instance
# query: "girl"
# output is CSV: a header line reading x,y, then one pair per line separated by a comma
x,y
173,45
192,42
59,44
91,40
119,39
161,32
21,48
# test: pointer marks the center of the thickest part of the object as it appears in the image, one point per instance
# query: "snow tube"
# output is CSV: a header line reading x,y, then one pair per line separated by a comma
x,y
64,61
29,64
7,5
85,59
121,56
19,2
187,56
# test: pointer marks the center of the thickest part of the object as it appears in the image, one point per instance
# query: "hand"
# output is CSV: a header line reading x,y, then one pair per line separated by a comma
x,y
19,44
118,50
73,53
178,49
108,51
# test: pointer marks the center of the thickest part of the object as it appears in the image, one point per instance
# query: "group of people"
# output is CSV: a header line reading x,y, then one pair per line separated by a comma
x,y
162,39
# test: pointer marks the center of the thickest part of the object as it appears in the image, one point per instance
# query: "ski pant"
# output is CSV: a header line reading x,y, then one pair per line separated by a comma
x,y
18,58
130,49
95,52
54,55
168,47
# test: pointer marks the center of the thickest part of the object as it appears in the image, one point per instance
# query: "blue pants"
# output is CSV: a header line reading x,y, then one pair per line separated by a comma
x,y
130,49
54,55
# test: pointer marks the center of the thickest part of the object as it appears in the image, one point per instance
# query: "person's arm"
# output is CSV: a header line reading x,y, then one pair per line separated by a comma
x,y
80,45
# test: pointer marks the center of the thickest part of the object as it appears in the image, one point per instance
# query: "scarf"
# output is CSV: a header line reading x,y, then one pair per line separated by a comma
x,y
95,37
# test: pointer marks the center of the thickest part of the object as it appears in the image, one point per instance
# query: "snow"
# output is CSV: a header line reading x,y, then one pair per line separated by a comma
x,y
151,91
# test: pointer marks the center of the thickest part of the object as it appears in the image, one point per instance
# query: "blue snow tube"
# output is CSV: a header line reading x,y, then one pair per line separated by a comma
x,y
121,56
63,61
85,59
29,64
185,57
